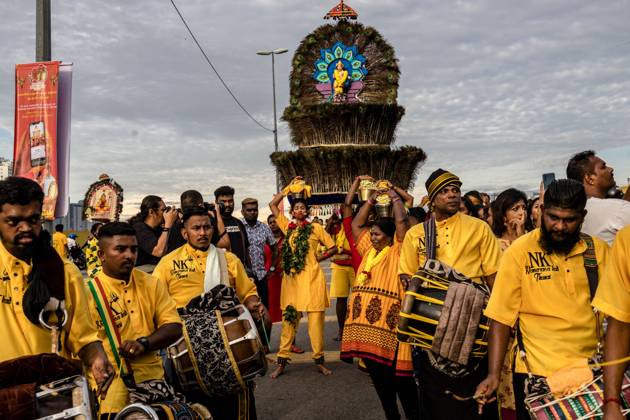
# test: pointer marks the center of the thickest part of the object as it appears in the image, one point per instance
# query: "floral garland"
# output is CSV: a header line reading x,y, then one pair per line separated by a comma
x,y
372,259
293,261
291,315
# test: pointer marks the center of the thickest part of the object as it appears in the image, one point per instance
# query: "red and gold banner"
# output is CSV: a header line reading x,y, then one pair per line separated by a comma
x,y
35,142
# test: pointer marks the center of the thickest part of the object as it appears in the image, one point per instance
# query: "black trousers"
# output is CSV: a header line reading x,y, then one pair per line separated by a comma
x,y
263,291
389,386
518,383
436,401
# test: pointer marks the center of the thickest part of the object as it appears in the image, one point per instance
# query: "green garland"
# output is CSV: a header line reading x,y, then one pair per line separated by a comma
x,y
291,315
293,261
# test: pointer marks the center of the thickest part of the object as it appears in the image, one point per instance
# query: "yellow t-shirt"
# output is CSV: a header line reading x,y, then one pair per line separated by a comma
x,y
60,243
183,272
139,308
613,292
23,338
465,243
549,295
306,291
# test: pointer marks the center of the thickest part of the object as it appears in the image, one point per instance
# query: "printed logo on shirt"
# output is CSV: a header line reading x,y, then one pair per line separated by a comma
x,y
422,248
232,229
540,266
182,267
119,311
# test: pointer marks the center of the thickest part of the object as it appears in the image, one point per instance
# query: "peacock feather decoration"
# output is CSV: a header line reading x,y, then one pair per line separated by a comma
x,y
350,58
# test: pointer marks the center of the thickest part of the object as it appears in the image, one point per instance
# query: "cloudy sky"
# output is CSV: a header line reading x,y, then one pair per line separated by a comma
x,y
496,91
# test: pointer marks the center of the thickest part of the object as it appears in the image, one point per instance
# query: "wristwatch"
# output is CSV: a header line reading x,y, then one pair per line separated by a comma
x,y
272,269
144,341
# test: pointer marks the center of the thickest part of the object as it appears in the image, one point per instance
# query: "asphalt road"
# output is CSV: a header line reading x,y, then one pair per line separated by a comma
x,y
305,394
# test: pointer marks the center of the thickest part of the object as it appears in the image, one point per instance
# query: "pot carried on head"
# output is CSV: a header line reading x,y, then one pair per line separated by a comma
x,y
366,188
298,189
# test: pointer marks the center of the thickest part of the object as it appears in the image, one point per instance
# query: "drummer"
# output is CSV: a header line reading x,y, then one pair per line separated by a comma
x,y
184,270
613,298
23,259
144,313
543,284
468,245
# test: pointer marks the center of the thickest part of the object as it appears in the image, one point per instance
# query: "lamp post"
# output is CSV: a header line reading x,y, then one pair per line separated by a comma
x,y
273,53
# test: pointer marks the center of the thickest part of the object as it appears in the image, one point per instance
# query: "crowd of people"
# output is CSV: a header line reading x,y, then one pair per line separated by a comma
x,y
554,268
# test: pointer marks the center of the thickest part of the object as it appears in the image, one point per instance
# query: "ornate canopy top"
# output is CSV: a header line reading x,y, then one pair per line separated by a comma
x,y
341,12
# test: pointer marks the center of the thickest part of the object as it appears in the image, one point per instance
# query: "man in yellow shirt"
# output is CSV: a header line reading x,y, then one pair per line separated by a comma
x,y
27,263
544,283
144,313
613,299
183,271
60,242
468,245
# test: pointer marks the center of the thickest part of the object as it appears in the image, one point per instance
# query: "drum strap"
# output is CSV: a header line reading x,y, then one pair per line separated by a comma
x,y
109,324
592,274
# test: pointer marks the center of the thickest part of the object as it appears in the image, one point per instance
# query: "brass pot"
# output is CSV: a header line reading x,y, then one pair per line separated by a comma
x,y
299,195
365,193
384,210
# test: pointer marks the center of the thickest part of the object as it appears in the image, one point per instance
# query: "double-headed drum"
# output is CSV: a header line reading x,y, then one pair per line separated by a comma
x,y
168,410
586,403
422,309
218,352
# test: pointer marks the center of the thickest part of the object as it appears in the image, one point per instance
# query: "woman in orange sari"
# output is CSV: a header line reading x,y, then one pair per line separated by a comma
x,y
373,306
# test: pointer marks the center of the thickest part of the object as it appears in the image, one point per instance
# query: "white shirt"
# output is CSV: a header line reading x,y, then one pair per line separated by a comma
x,y
605,217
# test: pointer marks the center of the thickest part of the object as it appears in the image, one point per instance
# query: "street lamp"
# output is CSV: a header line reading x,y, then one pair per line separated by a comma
x,y
275,117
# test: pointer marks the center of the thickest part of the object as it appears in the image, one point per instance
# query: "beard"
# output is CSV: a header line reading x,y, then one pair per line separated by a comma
x,y
551,245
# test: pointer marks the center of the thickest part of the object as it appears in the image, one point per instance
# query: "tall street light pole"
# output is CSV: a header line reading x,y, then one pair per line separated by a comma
x,y
275,117
42,30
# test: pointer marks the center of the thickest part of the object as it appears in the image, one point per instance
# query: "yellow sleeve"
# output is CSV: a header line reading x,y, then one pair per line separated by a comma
x,y
283,223
613,291
323,236
161,272
505,299
490,252
80,328
364,243
340,240
409,259
243,285
165,308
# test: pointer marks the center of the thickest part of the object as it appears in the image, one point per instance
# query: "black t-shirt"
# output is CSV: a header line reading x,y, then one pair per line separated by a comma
x,y
175,238
147,240
238,238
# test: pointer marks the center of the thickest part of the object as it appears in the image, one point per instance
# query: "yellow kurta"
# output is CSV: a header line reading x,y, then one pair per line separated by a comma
x,y
60,243
306,291
465,243
139,307
373,308
20,336
613,291
549,295
341,266
183,272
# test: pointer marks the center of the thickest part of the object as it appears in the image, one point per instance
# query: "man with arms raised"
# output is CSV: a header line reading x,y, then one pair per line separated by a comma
x,y
184,272
26,264
140,306
468,245
544,283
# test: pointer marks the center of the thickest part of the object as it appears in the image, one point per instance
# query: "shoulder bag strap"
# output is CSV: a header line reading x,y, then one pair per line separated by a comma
x,y
590,264
430,237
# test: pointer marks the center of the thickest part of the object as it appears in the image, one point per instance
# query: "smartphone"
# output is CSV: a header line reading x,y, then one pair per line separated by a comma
x,y
547,179
37,135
